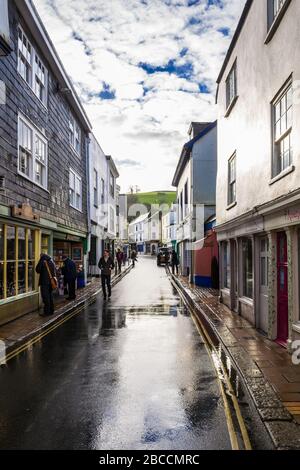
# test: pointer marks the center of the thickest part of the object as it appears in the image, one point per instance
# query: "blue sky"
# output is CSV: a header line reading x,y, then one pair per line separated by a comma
x,y
144,70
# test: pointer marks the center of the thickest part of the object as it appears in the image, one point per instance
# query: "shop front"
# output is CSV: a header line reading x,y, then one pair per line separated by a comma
x,y
73,247
19,254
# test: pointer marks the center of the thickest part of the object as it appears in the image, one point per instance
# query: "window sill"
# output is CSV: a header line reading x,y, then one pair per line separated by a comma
x,y
18,297
78,155
296,327
5,46
274,26
34,94
75,208
246,301
231,206
33,182
231,106
281,175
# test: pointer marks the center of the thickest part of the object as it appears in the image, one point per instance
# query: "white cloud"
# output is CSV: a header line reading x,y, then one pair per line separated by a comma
x,y
104,42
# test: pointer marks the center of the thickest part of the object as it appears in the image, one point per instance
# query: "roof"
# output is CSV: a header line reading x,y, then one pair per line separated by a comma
x,y
42,38
112,165
235,38
197,127
186,151
140,219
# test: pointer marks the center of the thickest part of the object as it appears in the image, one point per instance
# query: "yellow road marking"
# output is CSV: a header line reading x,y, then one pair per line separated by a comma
x,y
230,426
233,437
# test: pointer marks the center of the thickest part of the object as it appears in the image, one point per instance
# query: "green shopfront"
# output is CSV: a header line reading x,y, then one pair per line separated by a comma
x,y
23,237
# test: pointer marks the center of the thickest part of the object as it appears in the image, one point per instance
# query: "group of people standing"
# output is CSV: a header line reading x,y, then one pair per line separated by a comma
x,y
48,276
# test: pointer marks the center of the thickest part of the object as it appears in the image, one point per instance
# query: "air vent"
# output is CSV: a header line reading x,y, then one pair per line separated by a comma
x,y
2,184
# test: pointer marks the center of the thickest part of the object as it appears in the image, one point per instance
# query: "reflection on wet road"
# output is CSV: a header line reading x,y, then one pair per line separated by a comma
x,y
129,374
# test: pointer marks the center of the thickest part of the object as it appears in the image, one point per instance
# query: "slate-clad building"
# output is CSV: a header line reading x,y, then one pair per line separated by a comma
x,y
43,158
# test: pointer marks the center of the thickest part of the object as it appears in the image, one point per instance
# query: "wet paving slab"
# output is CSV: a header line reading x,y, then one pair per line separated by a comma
x,y
132,373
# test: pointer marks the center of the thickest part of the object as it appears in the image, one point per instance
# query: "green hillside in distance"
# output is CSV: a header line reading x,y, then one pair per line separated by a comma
x,y
150,198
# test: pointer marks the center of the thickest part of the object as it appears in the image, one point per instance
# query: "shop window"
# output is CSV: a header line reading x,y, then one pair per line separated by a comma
x,y
247,261
45,244
226,265
17,261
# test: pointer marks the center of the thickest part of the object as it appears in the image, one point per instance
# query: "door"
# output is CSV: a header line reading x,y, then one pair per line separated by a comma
x,y
263,284
282,289
234,264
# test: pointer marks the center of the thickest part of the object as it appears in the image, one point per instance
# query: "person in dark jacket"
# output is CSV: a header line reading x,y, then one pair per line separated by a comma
x,y
120,257
174,262
69,272
133,257
45,282
106,264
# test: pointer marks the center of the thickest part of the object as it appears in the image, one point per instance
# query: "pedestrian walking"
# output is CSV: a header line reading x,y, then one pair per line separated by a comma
x,y
120,257
174,262
106,264
167,258
133,257
47,282
69,272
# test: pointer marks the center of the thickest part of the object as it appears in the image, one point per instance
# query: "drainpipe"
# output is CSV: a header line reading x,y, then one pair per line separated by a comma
x,y
88,199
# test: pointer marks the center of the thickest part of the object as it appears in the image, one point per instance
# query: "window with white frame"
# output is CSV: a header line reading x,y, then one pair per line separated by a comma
x,y
112,219
31,67
232,180
102,191
111,184
33,153
186,197
282,131
226,264
95,188
231,86
247,268
74,134
75,190
274,8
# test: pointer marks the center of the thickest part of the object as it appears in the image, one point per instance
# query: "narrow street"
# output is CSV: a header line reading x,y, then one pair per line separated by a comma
x,y
133,373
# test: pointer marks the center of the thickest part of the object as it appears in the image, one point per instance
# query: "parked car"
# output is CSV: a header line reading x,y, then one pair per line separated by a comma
x,y
163,256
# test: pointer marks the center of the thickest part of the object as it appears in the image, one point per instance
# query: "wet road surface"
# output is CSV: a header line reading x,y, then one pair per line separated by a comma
x,y
132,373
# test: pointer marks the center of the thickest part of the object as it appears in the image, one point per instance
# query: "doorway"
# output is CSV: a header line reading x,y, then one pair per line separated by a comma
x,y
263,284
282,289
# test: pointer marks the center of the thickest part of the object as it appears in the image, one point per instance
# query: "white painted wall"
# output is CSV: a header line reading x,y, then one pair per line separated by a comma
x,y
262,69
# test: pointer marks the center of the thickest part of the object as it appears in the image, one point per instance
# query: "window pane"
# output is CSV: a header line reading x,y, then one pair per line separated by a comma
x,y
1,242
247,268
21,277
1,280
31,276
21,244
11,279
11,239
31,250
